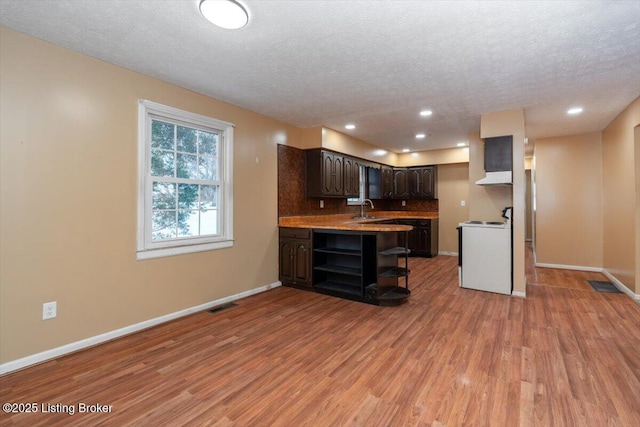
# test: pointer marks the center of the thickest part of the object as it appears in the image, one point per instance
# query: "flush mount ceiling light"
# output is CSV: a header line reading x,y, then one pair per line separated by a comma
x,y
226,14
405,150
425,113
461,144
350,126
574,110
420,135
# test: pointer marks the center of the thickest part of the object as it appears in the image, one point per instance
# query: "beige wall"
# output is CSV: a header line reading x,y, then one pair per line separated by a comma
x,y
619,184
68,201
637,170
569,200
453,187
346,144
501,123
434,157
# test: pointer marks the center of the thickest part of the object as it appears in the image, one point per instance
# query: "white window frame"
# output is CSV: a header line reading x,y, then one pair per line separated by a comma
x,y
146,248
361,191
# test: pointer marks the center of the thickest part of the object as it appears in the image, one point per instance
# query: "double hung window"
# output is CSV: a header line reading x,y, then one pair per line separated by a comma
x,y
185,186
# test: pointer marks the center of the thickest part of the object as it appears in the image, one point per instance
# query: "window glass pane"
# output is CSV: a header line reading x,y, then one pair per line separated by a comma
x,y
209,222
187,139
163,225
208,197
162,163
208,143
164,196
187,196
187,166
208,167
188,223
162,135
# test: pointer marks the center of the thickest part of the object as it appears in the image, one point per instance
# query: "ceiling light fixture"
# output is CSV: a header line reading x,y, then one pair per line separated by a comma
x,y
405,150
425,113
350,126
227,14
574,110
420,135
461,144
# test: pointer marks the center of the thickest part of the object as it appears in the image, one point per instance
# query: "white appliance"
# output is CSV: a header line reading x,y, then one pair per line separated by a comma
x,y
485,255
496,178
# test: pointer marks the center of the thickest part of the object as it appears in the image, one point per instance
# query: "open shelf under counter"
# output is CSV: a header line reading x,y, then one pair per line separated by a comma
x,y
339,251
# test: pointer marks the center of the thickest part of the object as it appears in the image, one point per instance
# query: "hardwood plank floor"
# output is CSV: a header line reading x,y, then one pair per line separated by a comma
x,y
564,356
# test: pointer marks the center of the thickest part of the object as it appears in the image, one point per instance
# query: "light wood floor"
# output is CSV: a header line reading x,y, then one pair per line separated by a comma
x,y
449,356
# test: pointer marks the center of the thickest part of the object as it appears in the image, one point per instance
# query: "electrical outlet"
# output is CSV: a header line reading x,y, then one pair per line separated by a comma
x,y
463,203
404,203
321,204
49,310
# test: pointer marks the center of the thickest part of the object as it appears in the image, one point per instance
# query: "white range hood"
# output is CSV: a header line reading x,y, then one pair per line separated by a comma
x,y
496,178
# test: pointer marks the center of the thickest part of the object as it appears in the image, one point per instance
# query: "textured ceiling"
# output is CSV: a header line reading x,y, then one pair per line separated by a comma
x,y
372,63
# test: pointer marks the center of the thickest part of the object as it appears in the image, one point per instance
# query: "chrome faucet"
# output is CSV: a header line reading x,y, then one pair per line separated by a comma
x,y
362,206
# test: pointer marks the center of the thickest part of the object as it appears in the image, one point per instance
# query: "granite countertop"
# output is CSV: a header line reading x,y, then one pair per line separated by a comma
x,y
346,221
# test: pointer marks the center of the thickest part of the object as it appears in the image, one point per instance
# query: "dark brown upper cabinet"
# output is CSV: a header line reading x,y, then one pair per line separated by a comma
x,y
387,182
324,174
422,182
400,184
351,177
330,174
498,154
380,182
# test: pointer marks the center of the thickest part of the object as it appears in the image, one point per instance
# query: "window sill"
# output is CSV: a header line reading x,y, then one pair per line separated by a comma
x,y
181,250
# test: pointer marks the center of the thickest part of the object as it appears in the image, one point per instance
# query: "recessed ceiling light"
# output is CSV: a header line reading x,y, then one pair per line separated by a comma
x,y
379,152
425,113
350,126
226,14
461,144
574,110
420,135
405,150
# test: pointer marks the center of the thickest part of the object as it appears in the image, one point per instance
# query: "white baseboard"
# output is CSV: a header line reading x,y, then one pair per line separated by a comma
x,y
448,253
107,336
519,294
618,284
569,267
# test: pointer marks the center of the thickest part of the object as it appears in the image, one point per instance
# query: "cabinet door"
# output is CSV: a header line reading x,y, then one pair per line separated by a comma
x,y
348,181
327,173
338,175
415,187
400,184
427,182
387,182
355,176
286,261
374,183
302,259
351,177
423,241
498,153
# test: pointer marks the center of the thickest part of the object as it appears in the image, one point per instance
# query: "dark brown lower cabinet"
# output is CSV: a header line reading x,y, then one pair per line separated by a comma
x,y
423,239
295,257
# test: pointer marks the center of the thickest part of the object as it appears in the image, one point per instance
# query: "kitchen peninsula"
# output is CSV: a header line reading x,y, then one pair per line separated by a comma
x,y
351,258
